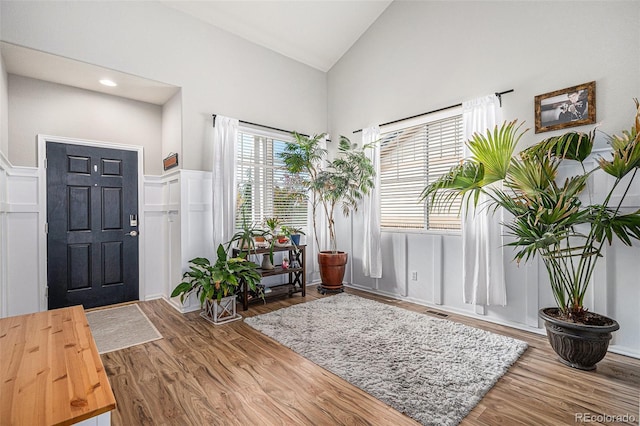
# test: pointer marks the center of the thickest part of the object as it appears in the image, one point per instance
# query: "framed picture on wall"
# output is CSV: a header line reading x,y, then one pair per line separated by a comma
x,y
573,106
170,161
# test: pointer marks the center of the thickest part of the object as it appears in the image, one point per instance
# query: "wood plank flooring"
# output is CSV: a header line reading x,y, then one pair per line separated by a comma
x,y
201,374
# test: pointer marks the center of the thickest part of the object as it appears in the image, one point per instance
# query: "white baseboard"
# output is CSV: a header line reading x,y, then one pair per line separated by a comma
x,y
175,303
154,297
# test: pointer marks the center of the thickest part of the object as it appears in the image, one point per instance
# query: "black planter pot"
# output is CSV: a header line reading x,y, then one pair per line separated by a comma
x,y
578,346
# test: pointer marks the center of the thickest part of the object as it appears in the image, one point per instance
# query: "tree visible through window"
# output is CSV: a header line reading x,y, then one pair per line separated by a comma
x,y
410,159
264,187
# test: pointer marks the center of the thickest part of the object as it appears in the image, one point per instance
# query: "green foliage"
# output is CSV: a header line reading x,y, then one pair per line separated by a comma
x,y
218,280
292,230
272,223
245,236
343,181
547,218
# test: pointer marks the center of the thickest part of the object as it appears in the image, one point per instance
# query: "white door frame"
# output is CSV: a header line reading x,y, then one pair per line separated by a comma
x,y
42,202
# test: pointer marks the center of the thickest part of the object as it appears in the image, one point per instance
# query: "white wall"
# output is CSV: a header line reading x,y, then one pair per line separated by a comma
x,y
39,107
3,234
20,273
218,72
4,111
420,56
4,165
161,235
172,127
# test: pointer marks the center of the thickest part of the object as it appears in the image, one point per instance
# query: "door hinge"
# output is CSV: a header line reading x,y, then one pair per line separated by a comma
x,y
46,228
45,163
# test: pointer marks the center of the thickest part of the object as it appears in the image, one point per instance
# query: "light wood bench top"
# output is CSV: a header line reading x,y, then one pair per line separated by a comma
x,y
50,370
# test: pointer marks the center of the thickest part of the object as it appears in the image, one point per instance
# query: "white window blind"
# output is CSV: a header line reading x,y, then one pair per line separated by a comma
x,y
410,159
263,187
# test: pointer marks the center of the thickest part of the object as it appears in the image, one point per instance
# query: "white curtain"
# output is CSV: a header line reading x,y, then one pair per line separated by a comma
x,y
372,255
224,190
322,226
482,251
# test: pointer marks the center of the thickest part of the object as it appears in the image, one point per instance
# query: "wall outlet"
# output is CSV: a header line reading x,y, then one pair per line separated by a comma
x,y
414,275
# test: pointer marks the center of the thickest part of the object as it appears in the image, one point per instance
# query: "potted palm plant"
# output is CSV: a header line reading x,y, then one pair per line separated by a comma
x,y
554,220
343,181
216,285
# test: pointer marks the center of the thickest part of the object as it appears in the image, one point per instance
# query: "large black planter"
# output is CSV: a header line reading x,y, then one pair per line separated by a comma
x,y
578,346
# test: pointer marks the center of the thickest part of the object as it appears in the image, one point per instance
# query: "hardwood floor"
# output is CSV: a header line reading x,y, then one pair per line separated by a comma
x,y
201,374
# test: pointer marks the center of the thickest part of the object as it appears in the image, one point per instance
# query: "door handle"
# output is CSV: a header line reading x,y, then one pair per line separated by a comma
x,y
132,233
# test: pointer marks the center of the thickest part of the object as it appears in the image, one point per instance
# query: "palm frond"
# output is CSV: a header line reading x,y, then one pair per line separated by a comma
x,y
569,146
626,153
461,180
494,150
531,176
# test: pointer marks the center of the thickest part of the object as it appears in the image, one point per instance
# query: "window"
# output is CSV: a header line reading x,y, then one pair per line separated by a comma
x,y
410,159
264,189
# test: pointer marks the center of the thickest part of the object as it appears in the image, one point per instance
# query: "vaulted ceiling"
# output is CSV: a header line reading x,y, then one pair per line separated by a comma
x,y
316,33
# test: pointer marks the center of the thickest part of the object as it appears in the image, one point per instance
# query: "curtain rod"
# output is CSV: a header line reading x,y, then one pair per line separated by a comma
x,y
498,94
260,125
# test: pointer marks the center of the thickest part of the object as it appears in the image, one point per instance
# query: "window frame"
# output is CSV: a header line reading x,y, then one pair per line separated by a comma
x,y
272,135
440,115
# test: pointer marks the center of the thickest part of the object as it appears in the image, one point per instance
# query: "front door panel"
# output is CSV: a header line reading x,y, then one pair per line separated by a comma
x,y
92,198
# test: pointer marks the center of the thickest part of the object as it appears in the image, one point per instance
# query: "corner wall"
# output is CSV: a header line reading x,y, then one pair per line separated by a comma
x,y
4,165
172,127
4,109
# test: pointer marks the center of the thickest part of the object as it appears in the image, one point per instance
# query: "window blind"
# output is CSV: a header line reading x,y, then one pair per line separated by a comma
x,y
264,187
410,159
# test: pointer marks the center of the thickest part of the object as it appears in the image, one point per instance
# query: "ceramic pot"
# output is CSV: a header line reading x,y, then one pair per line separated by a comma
x,y
266,262
579,346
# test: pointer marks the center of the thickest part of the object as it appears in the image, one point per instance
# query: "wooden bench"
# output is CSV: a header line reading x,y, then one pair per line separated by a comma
x,y
51,372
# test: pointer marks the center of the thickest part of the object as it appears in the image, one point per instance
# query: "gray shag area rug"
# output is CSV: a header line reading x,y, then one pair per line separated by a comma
x,y
433,370
121,327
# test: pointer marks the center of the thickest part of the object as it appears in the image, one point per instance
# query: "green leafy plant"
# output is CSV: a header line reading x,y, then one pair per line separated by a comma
x,y
245,237
273,223
292,230
345,180
289,231
550,218
218,280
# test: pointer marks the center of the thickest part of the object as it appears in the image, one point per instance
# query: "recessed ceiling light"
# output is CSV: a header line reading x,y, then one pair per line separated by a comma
x,y
108,83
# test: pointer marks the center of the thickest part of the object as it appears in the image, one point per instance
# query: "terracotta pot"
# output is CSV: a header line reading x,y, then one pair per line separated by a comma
x,y
332,266
579,346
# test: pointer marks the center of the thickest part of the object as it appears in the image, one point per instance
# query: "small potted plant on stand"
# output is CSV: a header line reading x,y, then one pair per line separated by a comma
x,y
216,285
293,233
551,219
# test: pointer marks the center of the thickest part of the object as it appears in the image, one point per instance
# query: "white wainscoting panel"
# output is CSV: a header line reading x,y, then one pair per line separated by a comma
x,y
394,264
162,236
25,281
4,208
156,261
